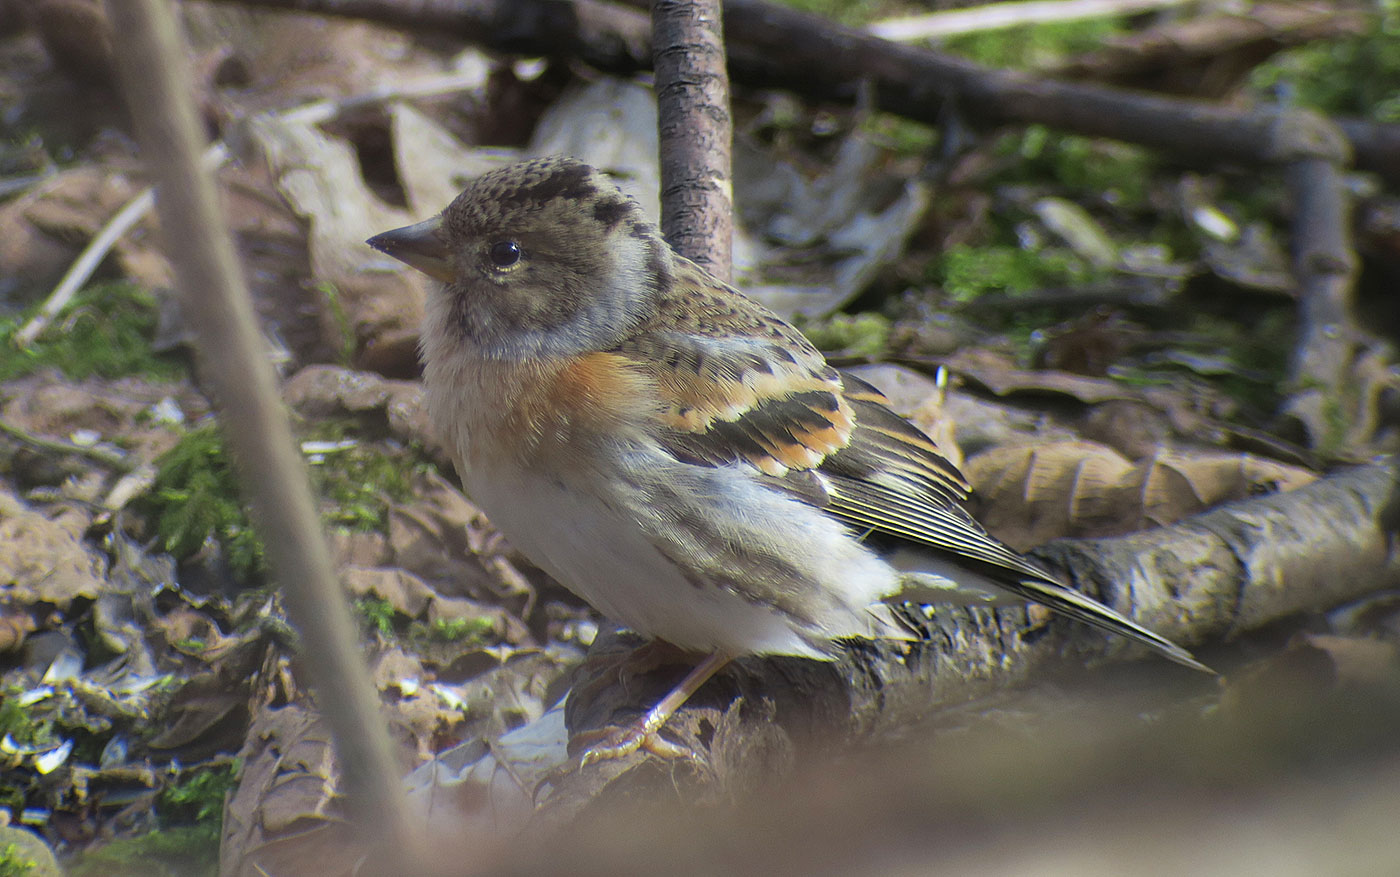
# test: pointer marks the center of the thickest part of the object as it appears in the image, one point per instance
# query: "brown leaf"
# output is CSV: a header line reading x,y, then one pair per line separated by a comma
x,y
1209,55
320,178
15,625
446,540
45,559
206,716
1172,485
284,818
1028,494
112,408
42,231
1001,376
1133,429
332,391
402,589
1032,493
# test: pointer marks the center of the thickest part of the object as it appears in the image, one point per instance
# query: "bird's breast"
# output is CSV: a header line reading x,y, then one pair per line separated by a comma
x,y
538,413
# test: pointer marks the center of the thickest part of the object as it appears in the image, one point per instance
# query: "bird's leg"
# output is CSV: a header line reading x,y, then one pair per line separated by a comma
x,y
644,733
597,673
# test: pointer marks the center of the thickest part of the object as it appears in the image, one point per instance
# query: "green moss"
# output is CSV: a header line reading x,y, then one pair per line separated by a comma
x,y
966,272
1355,76
457,630
199,794
105,331
195,499
360,479
1033,45
1102,168
190,813
14,862
854,13
342,321
865,334
1337,423
900,135
377,614
19,722
186,851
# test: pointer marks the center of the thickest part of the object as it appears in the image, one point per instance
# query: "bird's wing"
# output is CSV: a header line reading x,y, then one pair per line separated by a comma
x,y
831,439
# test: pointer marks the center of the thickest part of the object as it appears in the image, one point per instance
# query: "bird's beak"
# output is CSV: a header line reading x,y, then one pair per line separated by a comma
x,y
419,246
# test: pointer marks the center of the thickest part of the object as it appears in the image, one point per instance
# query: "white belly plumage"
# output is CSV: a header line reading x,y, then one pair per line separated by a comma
x,y
578,536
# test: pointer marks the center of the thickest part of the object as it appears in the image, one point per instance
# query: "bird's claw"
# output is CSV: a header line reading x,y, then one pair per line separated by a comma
x,y
608,744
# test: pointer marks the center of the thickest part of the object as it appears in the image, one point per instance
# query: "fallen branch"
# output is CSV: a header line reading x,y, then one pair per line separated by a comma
x,y
1325,265
772,46
1205,579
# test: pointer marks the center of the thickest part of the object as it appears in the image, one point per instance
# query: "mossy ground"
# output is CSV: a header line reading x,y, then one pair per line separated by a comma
x,y
107,330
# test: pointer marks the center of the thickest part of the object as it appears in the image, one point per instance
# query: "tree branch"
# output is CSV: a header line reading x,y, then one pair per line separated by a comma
x,y
695,132
1208,578
156,79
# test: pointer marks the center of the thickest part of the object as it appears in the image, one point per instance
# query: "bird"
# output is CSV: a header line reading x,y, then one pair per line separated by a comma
x,y
677,455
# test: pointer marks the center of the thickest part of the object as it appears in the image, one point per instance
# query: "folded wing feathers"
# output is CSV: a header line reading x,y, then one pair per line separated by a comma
x,y
852,456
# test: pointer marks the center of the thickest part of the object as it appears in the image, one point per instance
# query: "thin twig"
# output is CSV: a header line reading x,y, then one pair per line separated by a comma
x,y
155,75
997,16
1325,267
314,112
97,454
81,269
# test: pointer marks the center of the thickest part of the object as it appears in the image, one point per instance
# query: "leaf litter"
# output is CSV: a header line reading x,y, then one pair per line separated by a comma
x,y
147,667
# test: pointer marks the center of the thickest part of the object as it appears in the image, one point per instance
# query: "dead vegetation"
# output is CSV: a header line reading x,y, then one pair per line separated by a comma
x,y
1160,329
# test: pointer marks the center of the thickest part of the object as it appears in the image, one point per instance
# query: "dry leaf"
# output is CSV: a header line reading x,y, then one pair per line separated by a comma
x,y
403,590
320,177
1032,493
42,231
43,558
15,625
1029,494
327,391
1172,485
1209,55
284,818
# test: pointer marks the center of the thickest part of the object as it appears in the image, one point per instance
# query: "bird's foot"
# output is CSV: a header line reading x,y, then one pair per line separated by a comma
x,y
607,744
644,733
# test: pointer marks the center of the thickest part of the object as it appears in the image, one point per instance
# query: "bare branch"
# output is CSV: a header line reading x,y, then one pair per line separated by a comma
x,y
1207,578
1324,267
995,16
773,46
155,74
695,131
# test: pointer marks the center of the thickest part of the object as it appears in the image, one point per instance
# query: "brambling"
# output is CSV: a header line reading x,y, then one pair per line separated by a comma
x,y
674,453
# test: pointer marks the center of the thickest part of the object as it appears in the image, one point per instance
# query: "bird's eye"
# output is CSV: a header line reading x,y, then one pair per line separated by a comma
x,y
504,254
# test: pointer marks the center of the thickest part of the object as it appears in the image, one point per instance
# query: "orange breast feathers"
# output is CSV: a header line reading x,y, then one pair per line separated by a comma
x,y
552,408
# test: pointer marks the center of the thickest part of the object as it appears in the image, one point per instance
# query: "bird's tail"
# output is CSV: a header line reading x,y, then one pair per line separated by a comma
x,y
932,581
1077,606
